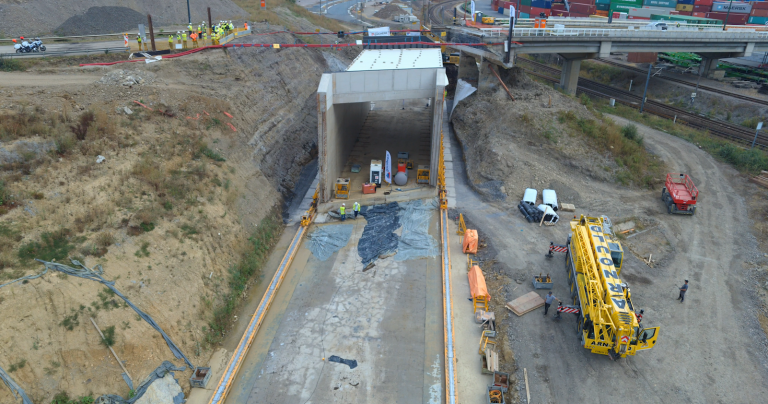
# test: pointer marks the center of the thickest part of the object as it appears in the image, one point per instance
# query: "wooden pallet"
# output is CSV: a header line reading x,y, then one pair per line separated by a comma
x,y
526,303
761,179
567,207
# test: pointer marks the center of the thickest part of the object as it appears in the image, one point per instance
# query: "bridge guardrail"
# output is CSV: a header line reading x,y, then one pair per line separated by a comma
x,y
624,33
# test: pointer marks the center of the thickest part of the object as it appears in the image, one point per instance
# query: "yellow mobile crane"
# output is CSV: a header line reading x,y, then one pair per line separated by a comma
x,y
606,317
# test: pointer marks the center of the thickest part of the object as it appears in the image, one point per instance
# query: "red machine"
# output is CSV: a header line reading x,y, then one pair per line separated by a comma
x,y
679,194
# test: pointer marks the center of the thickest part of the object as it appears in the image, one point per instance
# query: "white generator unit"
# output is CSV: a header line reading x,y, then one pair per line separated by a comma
x,y
530,196
549,215
550,198
376,173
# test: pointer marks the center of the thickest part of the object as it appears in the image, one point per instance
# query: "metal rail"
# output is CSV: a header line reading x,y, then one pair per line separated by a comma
x,y
688,83
220,393
722,129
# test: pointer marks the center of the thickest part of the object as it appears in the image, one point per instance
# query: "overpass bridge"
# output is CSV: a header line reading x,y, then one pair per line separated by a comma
x,y
577,44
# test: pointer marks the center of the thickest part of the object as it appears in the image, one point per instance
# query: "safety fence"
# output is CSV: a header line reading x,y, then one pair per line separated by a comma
x,y
682,33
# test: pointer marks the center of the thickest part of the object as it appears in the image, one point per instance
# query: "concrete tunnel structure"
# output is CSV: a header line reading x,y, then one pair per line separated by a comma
x,y
344,106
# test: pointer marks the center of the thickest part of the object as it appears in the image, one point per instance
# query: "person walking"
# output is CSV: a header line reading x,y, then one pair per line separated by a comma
x,y
170,41
548,301
356,209
683,289
184,37
138,40
343,212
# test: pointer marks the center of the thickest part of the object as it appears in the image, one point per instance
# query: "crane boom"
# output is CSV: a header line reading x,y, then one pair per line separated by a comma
x,y
607,321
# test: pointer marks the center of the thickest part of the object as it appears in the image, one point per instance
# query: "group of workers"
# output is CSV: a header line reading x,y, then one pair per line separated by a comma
x,y
343,210
202,33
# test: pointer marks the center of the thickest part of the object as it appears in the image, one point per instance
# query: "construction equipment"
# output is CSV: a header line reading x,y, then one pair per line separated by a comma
x,y
422,175
679,194
342,188
376,173
462,226
488,20
452,59
542,282
606,319
306,218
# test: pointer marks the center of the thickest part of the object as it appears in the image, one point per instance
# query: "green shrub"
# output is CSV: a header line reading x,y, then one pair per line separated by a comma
x,y
630,132
10,65
52,246
109,336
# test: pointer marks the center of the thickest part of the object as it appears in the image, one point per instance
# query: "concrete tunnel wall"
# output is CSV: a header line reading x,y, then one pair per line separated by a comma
x,y
343,104
344,122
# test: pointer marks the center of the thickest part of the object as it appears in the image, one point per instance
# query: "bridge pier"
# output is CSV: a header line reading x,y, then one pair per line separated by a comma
x,y
569,76
468,69
707,66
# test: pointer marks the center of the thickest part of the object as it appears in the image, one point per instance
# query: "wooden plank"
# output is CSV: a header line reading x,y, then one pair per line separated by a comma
x,y
526,303
759,182
111,350
527,389
567,207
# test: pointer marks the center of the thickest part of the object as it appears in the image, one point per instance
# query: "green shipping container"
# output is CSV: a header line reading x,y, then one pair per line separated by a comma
x,y
603,7
523,15
660,3
687,18
758,20
608,2
622,8
525,3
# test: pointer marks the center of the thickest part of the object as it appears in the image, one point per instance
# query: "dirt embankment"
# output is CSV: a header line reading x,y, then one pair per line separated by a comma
x,y
168,213
529,142
38,17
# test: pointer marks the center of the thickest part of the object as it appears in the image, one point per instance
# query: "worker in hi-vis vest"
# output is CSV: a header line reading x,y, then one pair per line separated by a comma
x,y
170,41
356,209
184,38
343,212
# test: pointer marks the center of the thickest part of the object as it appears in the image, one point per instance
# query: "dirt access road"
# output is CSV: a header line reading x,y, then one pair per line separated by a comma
x,y
711,348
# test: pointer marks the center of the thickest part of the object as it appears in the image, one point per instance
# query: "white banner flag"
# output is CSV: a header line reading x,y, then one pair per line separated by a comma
x,y
388,169
473,9
512,17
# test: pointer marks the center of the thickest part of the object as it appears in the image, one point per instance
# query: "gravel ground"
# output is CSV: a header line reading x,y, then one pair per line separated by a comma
x,y
98,20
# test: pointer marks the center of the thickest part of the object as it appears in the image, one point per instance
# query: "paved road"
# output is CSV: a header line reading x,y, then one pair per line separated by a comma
x,y
70,48
338,11
710,349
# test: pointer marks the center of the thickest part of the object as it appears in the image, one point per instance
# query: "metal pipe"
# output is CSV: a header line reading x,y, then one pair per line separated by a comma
x,y
645,92
189,14
725,23
495,73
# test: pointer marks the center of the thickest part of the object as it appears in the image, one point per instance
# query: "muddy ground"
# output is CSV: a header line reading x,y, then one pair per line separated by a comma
x,y
720,359
167,214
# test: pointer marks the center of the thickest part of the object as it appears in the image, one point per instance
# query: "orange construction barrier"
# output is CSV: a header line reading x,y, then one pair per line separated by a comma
x,y
477,283
470,242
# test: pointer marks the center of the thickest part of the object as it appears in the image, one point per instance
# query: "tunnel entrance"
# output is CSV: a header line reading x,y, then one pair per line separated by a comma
x,y
387,100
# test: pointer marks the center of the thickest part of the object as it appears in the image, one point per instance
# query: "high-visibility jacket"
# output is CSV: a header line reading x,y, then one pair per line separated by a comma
x,y
356,207
170,39
190,27
205,36
184,35
138,39
343,211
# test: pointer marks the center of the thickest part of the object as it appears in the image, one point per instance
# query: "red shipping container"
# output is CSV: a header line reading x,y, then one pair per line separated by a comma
x,y
580,8
699,14
702,8
686,13
756,12
536,11
558,7
588,2
525,9
560,13
632,17
760,5
495,4
580,15
703,3
733,18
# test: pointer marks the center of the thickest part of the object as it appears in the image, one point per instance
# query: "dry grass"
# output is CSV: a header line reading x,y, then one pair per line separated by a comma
x,y
257,14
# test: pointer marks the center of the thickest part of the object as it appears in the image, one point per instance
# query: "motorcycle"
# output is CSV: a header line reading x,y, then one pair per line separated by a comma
x,y
37,45
23,47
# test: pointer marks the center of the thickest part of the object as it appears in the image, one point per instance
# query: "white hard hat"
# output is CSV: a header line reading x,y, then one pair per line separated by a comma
x,y
343,204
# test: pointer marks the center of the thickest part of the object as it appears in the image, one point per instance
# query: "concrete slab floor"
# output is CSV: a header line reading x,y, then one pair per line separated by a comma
x,y
388,318
390,128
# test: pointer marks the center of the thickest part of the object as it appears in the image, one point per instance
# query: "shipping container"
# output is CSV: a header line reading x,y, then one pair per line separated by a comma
x,y
541,4
762,5
703,3
688,19
685,2
524,15
601,13
699,14
684,7
603,2
525,3
560,7
642,57
735,7
588,2
582,8
602,7
632,17
647,11
525,9
756,12
701,8
624,7
758,20
686,13
537,12
660,3
733,18
560,13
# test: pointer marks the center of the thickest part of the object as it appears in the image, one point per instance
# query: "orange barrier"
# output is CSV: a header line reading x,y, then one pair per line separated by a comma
x,y
477,283
469,245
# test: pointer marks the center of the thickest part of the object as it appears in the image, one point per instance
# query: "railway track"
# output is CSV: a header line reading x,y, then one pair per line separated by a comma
x,y
688,83
592,88
437,10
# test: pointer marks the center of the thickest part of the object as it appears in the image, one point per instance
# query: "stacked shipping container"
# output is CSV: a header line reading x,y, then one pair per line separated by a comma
x,y
741,13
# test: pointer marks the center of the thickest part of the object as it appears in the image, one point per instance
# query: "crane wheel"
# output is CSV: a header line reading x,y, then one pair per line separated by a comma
x,y
566,262
570,281
663,193
693,211
669,208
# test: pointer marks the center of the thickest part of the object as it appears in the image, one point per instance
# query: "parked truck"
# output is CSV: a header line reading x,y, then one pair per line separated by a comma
x,y
606,318
680,194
